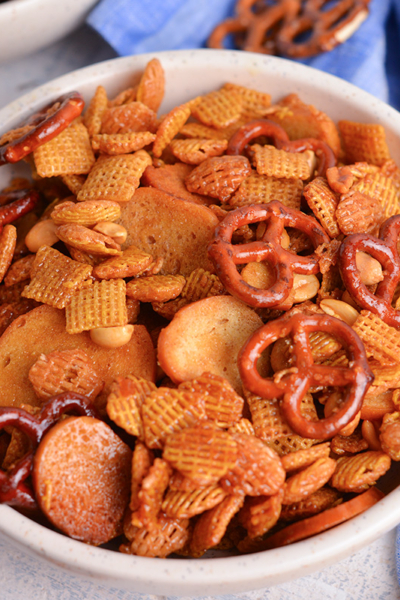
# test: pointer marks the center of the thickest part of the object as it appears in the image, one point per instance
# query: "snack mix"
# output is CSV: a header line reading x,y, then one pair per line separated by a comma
x,y
200,319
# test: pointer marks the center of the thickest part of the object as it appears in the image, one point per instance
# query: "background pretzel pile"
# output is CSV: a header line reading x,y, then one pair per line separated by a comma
x,y
207,303
292,28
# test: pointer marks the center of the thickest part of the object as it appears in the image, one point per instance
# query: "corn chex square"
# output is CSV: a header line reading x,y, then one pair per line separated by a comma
x,y
69,152
279,163
55,278
102,304
115,177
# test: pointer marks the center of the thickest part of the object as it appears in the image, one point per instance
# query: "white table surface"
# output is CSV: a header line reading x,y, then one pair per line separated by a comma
x,y
369,574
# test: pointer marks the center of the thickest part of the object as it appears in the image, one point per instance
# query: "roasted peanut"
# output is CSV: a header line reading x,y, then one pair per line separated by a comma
x,y
117,232
42,233
112,337
339,309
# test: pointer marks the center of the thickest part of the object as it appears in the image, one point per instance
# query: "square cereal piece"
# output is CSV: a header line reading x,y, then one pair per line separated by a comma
x,y
219,108
278,163
69,152
115,177
127,118
102,304
323,202
381,188
260,189
364,142
94,113
55,278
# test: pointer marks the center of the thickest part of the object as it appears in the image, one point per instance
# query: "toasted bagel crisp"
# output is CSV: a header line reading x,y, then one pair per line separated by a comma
x,y
206,336
42,331
169,228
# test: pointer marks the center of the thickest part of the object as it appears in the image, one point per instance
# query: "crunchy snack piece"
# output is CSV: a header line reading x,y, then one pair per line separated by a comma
x,y
69,152
364,142
20,270
124,402
302,120
142,459
357,473
122,143
323,521
128,118
242,426
211,526
81,477
9,312
87,240
323,202
55,278
203,453
382,189
166,411
151,85
220,322
170,126
279,163
184,505
258,469
304,458
380,340
343,445
125,97
94,112
198,130
8,240
389,435
260,189
218,177
259,515
219,108
73,182
169,228
358,213
315,503
155,288
65,371
100,305
254,102
307,481
114,177
130,263
151,495
222,404
195,151
86,213
171,180
171,536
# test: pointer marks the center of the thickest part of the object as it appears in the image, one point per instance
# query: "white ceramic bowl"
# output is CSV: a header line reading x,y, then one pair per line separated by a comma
x,y
189,73
29,25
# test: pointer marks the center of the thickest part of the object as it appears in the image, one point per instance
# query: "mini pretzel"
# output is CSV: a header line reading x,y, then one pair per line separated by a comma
x,y
43,127
13,490
328,28
292,384
12,211
383,249
226,256
280,138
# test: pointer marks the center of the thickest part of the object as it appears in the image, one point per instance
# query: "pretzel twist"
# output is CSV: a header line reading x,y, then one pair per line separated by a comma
x,y
46,124
280,139
13,490
384,249
292,385
281,28
226,256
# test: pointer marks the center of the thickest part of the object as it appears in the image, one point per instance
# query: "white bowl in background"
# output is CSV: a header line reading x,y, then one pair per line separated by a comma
x,y
29,25
188,74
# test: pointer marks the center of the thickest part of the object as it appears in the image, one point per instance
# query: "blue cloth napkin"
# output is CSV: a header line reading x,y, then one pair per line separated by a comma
x,y
370,58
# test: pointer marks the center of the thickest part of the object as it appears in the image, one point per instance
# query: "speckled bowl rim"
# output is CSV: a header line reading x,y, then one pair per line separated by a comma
x,y
233,574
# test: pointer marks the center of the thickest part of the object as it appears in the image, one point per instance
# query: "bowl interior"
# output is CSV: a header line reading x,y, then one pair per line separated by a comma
x,y
188,74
